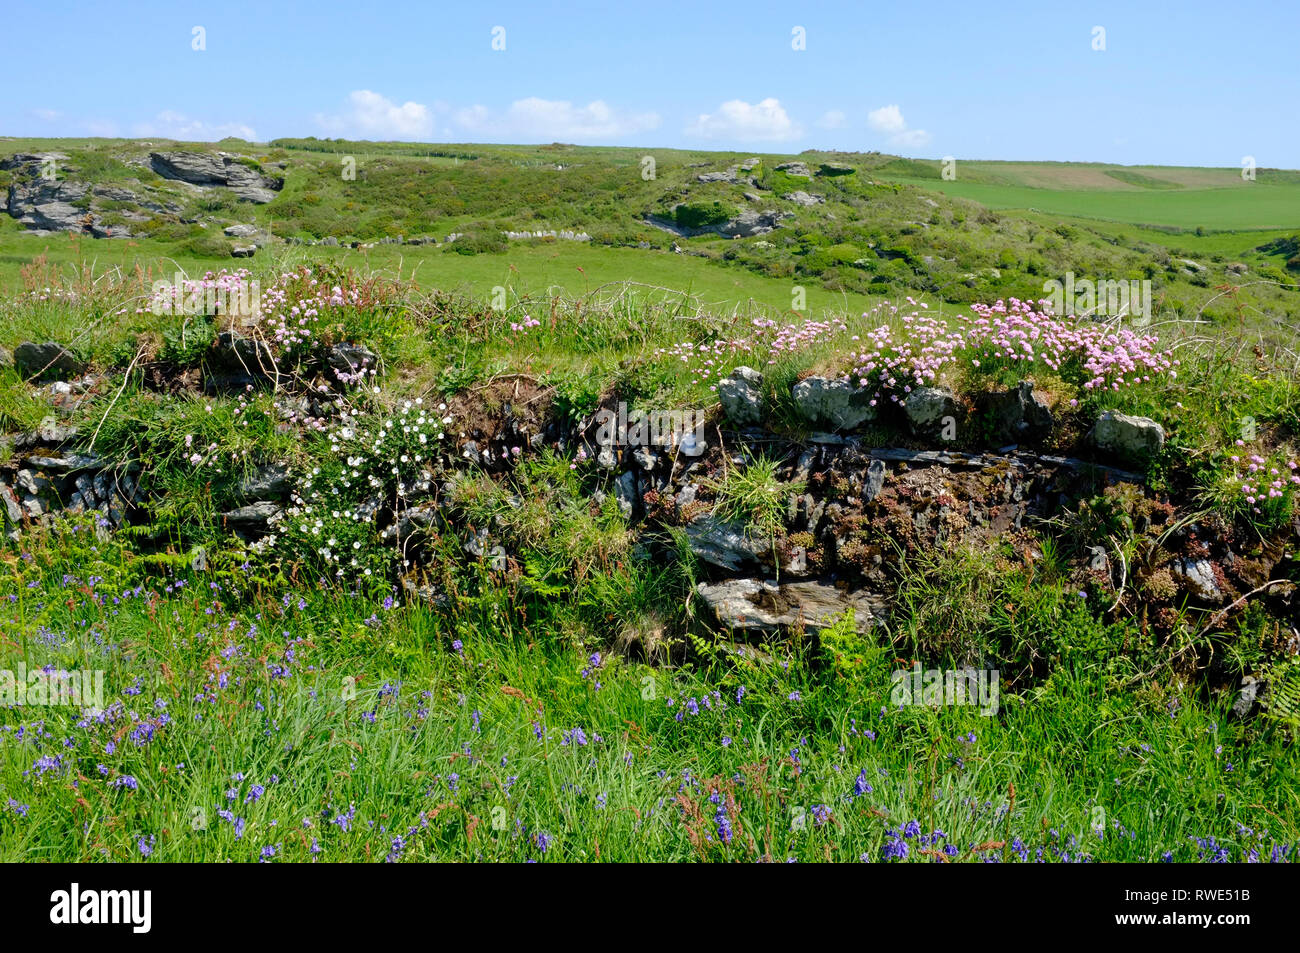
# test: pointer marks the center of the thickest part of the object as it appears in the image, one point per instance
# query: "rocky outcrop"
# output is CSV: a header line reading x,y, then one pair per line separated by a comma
x,y
1198,578
744,225
236,361
930,410
1132,438
253,521
45,199
1018,415
729,176
800,197
768,608
836,403
721,544
221,170
46,196
741,396
46,362
750,223
270,482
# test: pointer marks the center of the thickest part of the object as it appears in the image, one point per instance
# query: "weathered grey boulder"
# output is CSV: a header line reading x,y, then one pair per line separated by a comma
x,y
1017,415
216,169
800,197
253,521
44,203
625,493
270,482
65,463
241,231
351,358
796,168
413,518
929,410
32,483
243,251
722,544
763,607
1248,696
48,361
50,433
750,223
741,395
236,360
645,458
1197,577
874,480
10,508
1131,437
728,176
833,403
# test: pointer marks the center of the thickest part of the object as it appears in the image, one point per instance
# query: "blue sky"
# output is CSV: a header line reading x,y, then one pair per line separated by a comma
x,y
1181,84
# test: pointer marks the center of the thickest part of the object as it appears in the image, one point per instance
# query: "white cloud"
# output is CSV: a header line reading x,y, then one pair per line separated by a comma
x,y
555,120
736,119
47,115
368,115
889,120
170,124
832,119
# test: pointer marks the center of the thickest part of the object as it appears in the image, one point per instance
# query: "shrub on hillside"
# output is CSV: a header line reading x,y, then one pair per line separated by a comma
x,y
206,245
477,243
701,214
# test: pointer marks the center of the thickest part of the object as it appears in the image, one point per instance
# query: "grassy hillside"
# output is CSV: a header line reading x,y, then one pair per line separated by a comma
x,y
887,227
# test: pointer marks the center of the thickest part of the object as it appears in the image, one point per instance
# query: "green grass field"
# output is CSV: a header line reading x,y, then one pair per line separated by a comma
x,y
288,724
537,269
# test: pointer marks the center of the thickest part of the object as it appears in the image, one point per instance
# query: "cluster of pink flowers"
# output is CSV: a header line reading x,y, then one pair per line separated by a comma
x,y
769,342
911,350
296,303
528,322
197,295
1007,334
1018,331
1263,482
